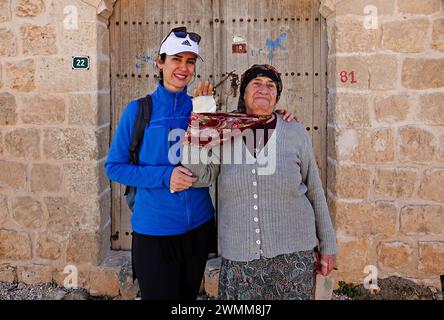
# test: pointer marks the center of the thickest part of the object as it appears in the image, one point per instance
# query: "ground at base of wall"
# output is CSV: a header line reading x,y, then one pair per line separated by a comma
x,y
391,288
334,297
48,291
45,291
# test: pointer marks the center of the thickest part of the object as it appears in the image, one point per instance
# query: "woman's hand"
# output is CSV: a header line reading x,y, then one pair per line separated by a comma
x,y
287,116
181,179
324,264
203,90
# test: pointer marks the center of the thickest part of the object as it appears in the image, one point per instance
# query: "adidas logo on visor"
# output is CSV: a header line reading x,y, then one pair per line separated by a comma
x,y
186,43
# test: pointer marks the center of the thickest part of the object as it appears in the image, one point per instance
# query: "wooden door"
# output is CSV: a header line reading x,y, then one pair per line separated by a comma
x,y
235,35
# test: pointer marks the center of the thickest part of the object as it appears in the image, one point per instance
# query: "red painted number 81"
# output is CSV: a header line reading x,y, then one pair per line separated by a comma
x,y
345,77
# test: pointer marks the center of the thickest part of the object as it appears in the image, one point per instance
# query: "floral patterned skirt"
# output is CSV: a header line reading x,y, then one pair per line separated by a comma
x,y
284,277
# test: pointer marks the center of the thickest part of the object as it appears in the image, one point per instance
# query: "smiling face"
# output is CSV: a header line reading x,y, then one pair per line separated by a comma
x,y
260,96
177,70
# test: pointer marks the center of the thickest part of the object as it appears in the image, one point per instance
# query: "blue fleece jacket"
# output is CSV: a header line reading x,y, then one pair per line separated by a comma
x,y
156,210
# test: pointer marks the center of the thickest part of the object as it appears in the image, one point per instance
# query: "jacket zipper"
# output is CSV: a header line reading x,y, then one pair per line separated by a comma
x,y
188,216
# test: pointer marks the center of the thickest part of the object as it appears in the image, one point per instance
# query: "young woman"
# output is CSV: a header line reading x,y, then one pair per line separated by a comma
x,y
172,232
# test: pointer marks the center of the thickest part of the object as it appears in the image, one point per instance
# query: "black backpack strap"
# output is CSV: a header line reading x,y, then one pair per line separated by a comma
x,y
147,107
144,111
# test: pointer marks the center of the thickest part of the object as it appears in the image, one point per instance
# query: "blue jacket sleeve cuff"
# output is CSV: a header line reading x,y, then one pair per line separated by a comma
x,y
167,177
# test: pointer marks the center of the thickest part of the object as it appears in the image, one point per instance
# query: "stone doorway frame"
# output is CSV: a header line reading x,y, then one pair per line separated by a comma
x,y
105,8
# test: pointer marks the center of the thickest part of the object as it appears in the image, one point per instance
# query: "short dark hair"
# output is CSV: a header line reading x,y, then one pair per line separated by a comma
x,y
162,59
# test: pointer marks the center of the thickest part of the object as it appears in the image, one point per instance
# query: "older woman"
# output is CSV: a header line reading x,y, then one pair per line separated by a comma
x,y
273,221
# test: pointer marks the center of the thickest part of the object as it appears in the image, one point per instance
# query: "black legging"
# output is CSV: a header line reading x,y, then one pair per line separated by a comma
x,y
172,267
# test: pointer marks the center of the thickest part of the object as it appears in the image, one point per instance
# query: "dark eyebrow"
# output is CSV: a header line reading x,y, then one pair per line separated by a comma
x,y
267,82
270,82
179,56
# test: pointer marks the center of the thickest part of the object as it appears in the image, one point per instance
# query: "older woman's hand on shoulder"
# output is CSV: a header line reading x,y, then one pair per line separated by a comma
x,y
287,115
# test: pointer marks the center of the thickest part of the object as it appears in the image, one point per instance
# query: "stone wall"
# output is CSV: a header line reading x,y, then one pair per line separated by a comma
x,y
386,137
54,136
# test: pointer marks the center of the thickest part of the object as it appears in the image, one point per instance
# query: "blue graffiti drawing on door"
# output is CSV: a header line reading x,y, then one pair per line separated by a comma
x,y
273,45
145,59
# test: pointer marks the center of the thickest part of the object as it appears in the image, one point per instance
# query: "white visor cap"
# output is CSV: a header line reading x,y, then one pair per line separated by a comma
x,y
174,45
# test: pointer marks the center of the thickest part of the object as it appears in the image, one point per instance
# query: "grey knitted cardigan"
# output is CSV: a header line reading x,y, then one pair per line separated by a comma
x,y
269,213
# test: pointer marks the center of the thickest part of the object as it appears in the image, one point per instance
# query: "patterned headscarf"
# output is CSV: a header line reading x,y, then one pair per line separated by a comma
x,y
255,71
